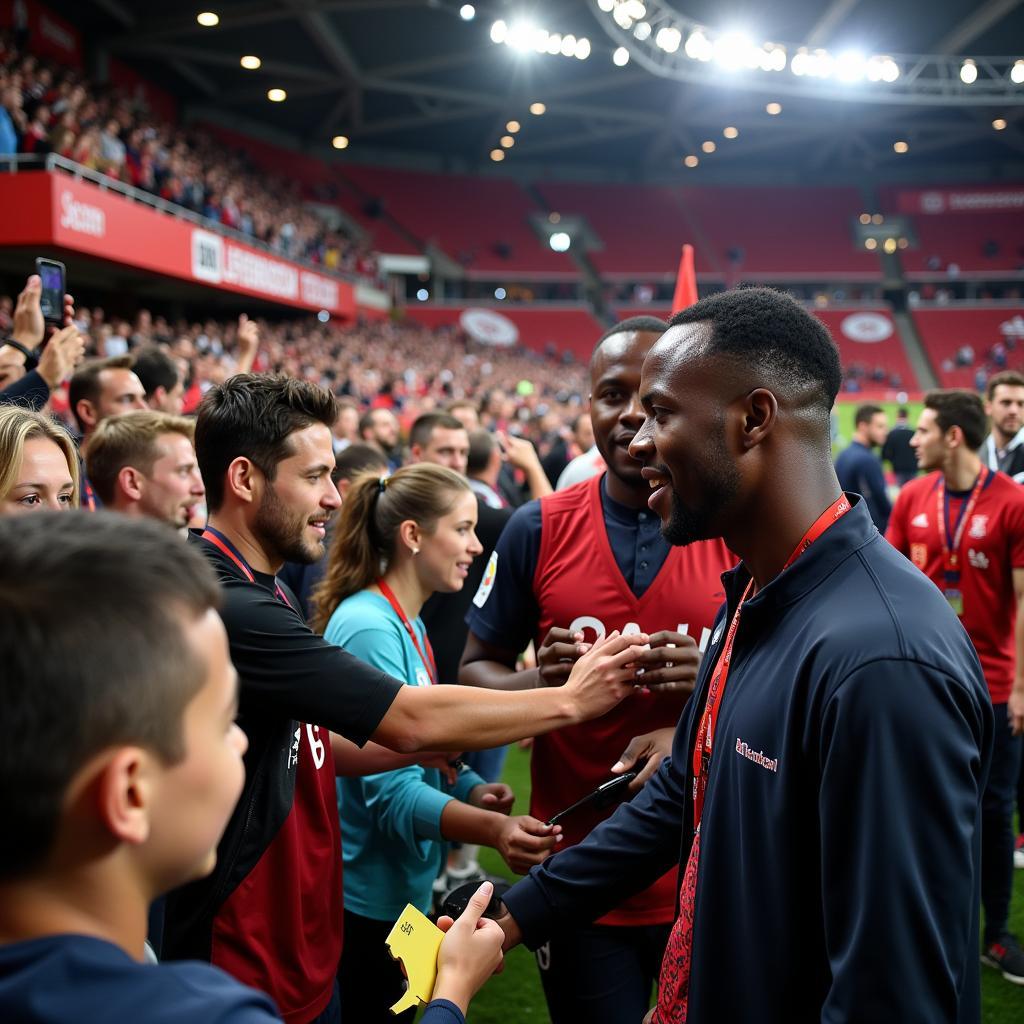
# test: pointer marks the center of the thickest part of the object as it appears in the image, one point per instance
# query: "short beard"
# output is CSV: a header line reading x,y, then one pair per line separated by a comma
x,y
719,482
282,534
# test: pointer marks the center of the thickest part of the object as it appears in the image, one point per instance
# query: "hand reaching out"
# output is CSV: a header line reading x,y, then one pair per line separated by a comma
x,y
492,796
470,951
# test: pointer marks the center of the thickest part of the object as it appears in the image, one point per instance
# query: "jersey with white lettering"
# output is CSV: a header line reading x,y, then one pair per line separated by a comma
x,y
992,546
577,584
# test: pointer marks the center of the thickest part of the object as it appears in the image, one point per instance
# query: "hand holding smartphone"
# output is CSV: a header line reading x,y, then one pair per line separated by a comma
x,y
53,276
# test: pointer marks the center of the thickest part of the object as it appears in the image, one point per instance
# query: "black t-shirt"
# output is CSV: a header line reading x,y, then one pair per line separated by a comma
x,y
288,676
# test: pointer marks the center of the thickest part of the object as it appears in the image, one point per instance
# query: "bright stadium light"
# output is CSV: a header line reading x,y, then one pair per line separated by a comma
x,y
1017,72
999,124
870,243
692,160
513,127
582,49
340,142
698,47
323,316
968,72
708,146
208,19
499,32
560,241
774,109
734,50
277,95
467,12
422,294
537,109
669,39
620,58
497,155
850,66
250,62
900,146
731,132
507,142
606,5
500,293
642,31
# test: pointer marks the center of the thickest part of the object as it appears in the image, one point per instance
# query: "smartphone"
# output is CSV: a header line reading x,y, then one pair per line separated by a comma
x,y
608,793
54,278
458,899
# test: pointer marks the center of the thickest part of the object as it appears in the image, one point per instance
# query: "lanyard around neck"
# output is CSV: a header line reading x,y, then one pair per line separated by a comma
x,y
709,719
219,541
951,539
426,657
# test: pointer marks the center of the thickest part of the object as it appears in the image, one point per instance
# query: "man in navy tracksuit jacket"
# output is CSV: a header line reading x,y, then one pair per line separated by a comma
x,y
837,877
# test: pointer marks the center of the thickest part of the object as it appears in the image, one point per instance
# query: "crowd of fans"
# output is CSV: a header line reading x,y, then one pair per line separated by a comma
x,y
49,109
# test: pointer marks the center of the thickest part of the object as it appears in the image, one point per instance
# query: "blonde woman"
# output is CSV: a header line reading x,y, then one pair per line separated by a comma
x,y
399,540
38,463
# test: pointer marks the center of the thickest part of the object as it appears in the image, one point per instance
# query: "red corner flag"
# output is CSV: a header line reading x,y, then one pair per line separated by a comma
x,y
686,282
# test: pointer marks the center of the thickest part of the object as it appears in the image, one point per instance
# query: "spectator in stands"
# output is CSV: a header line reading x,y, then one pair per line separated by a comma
x,y
466,413
1003,449
160,379
144,464
441,439
380,427
11,120
346,426
102,388
897,451
858,467
419,525
483,467
38,463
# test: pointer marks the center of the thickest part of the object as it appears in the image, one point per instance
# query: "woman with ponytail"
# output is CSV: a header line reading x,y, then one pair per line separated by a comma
x,y
399,539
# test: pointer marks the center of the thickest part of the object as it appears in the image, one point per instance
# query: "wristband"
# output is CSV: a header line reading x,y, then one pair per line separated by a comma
x,y
31,358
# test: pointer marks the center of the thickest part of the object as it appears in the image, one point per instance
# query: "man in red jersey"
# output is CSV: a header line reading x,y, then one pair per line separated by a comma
x,y
569,567
963,526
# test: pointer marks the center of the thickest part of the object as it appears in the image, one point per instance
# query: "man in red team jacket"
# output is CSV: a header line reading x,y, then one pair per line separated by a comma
x,y
963,526
567,568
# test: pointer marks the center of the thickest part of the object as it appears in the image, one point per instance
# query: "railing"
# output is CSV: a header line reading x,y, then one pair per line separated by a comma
x,y
14,163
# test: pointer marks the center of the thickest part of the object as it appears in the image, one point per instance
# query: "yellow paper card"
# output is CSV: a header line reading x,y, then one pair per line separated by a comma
x,y
415,941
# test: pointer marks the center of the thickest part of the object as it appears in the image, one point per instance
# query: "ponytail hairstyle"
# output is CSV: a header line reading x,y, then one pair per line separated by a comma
x,y
364,539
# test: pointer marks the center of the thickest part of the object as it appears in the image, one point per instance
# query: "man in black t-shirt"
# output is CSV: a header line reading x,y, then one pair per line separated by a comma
x,y
270,913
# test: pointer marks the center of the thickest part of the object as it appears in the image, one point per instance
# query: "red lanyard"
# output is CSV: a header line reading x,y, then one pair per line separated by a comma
x,y
709,719
428,659
219,541
951,548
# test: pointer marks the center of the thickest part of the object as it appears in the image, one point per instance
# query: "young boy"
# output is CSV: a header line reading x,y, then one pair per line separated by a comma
x,y
120,765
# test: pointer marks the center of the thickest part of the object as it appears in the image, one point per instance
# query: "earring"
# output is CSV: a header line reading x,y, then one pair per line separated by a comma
x,y
415,551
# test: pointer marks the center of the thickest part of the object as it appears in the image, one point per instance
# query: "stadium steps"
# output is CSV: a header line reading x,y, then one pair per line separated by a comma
x,y
919,361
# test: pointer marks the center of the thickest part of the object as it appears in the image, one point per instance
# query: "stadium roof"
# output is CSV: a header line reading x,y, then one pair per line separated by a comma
x,y
412,81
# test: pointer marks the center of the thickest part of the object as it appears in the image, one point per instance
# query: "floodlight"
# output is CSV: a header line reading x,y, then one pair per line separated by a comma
x,y
208,19
467,12
250,62
968,72
620,58
560,241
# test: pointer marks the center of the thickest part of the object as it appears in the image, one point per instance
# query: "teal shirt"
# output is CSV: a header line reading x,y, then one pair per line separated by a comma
x,y
391,839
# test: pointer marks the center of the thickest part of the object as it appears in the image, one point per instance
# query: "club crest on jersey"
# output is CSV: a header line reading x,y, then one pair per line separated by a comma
x,y
977,559
919,555
920,520
487,583
979,527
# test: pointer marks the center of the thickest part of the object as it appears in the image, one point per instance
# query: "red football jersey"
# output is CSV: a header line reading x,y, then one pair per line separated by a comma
x,y
991,547
578,585
294,891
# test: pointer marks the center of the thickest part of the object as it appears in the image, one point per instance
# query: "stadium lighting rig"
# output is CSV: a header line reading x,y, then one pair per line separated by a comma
x,y
672,45
523,36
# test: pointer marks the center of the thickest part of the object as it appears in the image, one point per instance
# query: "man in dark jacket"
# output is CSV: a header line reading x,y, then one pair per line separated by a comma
x,y
823,795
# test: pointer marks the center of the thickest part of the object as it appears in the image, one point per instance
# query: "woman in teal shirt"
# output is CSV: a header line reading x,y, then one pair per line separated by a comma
x,y
400,539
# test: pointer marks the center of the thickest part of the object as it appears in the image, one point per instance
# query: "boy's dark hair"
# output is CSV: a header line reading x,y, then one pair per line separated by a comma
x,y
85,382
866,413
956,407
772,333
94,654
1009,378
355,459
425,425
156,369
481,445
253,415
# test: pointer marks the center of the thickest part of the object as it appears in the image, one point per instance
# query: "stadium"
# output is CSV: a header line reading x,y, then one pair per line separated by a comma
x,y
438,213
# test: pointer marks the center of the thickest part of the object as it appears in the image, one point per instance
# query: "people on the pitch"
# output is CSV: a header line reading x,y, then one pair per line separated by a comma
x,y
805,750
1003,449
962,525
567,568
897,451
859,469
419,526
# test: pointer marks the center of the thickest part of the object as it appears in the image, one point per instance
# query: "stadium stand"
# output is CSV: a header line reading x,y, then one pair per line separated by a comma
x,y
554,332
967,344
769,233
